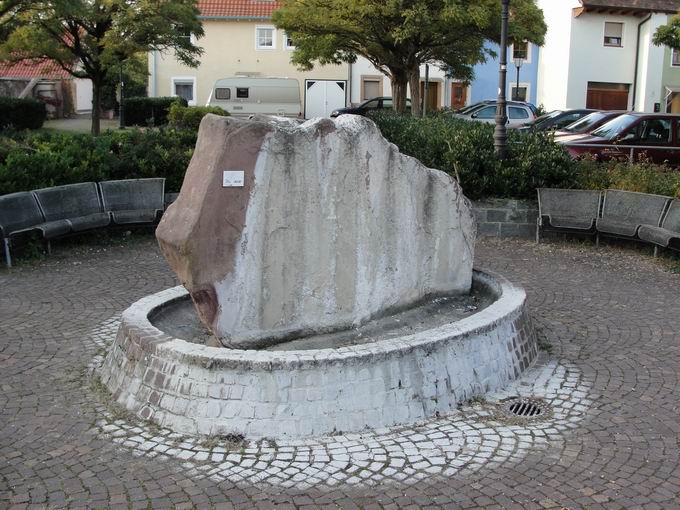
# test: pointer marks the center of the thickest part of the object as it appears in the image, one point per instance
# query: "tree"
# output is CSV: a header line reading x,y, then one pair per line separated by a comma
x,y
668,35
91,38
398,36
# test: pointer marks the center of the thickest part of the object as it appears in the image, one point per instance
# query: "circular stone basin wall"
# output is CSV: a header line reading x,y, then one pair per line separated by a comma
x,y
195,389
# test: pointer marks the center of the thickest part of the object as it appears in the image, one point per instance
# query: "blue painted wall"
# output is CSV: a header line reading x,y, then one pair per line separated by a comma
x,y
485,84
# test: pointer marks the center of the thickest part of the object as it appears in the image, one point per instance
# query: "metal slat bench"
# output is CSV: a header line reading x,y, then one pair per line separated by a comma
x,y
133,201
78,204
623,212
667,235
20,213
567,210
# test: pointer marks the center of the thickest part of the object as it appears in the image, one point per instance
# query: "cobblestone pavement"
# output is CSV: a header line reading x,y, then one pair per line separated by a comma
x,y
610,316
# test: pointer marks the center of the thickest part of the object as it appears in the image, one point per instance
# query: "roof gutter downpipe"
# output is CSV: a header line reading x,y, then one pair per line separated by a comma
x,y
637,58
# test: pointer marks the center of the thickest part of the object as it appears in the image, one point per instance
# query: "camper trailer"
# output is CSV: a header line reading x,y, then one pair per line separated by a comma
x,y
242,96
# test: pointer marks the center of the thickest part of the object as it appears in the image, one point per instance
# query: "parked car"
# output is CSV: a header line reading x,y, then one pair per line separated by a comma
x,y
557,119
242,96
587,124
518,113
476,106
629,136
376,103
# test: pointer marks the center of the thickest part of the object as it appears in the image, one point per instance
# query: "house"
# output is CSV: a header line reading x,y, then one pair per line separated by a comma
x,y
240,40
444,92
46,80
485,84
599,54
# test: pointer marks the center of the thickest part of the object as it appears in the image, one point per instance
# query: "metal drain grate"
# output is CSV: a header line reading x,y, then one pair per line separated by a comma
x,y
525,408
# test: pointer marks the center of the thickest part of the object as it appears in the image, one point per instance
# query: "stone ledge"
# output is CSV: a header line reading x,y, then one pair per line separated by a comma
x,y
500,217
196,389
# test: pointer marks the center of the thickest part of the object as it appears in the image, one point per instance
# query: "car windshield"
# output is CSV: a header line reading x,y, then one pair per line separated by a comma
x,y
584,124
471,108
614,127
370,103
545,119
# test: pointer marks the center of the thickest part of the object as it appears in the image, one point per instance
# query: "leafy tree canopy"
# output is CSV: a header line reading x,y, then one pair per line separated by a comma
x,y
668,35
397,36
90,38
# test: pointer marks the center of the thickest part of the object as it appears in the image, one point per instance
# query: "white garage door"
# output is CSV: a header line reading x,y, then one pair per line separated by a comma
x,y
323,96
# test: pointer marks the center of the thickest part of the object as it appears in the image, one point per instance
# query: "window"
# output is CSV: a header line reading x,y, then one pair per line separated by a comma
x,y
223,94
265,38
486,113
185,33
517,113
387,103
372,105
520,50
184,87
519,94
650,132
613,34
675,58
371,86
288,42
242,92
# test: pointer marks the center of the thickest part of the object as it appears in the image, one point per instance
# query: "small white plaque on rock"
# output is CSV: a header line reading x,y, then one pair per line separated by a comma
x,y
233,178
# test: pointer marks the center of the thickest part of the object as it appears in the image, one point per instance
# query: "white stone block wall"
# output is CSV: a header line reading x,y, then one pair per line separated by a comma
x,y
195,389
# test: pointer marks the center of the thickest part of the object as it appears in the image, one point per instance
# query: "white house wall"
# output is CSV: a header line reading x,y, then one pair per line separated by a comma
x,y
553,68
591,60
651,63
363,67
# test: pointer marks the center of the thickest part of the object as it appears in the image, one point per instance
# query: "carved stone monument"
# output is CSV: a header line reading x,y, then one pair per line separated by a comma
x,y
284,229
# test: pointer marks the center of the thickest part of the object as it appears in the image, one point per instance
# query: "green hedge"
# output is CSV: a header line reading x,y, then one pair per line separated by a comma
x,y
21,113
189,117
466,149
149,111
643,176
35,160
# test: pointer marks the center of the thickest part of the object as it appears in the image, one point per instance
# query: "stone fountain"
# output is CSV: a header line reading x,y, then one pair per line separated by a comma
x,y
328,286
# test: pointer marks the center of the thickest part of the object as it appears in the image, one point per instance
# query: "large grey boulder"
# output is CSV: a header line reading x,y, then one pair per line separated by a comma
x,y
332,226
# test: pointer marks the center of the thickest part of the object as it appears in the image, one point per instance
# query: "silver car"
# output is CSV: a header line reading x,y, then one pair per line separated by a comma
x,y
518,113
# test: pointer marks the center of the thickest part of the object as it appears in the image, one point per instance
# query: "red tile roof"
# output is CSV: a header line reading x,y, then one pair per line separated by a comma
x,y
33,69
253,9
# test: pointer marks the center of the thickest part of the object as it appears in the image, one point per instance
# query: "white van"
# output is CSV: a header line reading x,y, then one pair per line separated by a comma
x,y
243,96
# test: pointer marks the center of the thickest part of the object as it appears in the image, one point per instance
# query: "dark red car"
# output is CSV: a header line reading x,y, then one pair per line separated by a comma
x,y
631,136
587,124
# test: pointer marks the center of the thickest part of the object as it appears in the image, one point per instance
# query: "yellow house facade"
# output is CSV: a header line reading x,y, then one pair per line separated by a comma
x,y
240,40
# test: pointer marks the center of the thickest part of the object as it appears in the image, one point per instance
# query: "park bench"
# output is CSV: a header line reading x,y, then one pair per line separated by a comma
x,y
78,204
624,211
668,234
134,200
567,210
20,213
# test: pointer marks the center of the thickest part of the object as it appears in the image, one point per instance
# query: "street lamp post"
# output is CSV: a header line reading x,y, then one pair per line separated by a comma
x,y
500,135
121,108
518,65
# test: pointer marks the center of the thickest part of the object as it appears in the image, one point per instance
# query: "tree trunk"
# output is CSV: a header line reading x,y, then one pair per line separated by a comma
x,y
399,91
414,85
96,106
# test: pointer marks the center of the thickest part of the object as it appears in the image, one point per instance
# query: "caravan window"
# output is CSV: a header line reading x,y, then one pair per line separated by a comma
x,y
222,93
242,92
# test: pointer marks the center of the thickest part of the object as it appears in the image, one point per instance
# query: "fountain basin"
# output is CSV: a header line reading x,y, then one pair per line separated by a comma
x,y
195,389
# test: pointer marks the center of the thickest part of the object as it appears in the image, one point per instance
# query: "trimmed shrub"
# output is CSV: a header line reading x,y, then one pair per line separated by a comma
x,y
189,117
643,176
21,113
465,150
149,111
32,161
